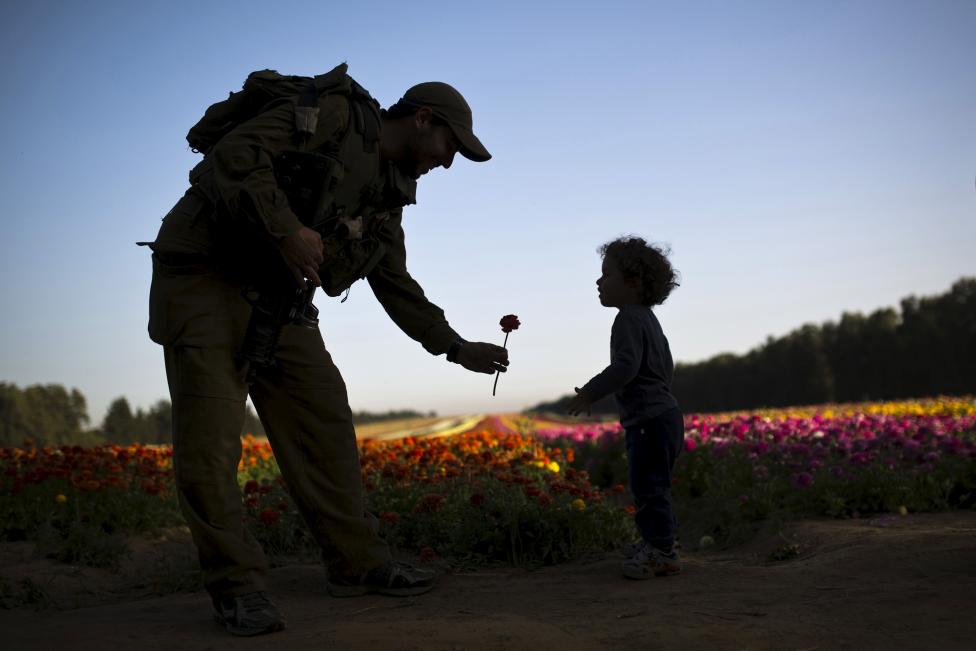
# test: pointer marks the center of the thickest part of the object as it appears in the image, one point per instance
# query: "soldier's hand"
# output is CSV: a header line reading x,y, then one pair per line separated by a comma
x,y
482,358
302,253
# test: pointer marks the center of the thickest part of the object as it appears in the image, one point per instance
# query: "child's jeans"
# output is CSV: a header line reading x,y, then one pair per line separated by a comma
x,y
652,448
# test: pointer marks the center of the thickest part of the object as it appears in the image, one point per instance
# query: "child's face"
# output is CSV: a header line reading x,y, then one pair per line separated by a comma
x,y
614,289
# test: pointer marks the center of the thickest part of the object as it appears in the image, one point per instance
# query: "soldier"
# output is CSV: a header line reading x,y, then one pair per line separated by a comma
x,y
331,159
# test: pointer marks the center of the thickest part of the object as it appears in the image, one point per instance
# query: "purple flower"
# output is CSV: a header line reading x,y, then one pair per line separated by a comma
x,y
803,479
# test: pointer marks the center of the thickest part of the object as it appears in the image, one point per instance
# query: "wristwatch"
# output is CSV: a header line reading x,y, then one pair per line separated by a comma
x,y
455,348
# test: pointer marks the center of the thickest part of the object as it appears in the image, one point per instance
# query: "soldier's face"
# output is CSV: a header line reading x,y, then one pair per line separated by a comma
x,y
431,145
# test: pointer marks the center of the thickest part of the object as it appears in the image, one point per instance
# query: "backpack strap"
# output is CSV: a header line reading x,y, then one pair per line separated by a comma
x,y
367,114
306,115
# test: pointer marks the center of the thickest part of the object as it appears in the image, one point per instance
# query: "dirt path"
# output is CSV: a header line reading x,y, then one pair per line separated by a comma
x,y
887,583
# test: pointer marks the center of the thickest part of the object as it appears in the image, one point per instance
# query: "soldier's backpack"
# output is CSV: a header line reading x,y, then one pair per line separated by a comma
x,y
263,89
305,178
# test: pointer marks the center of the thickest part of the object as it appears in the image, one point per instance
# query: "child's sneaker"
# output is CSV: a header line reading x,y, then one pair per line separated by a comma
x,y
631,549
649,561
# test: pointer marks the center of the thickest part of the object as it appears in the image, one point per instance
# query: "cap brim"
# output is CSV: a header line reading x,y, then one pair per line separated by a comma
x,y
470,147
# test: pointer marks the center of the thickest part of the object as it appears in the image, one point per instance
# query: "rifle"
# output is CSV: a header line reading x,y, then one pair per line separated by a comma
x,y
270,312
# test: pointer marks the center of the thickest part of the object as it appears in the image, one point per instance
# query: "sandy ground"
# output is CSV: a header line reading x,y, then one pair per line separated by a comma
x,y
886,583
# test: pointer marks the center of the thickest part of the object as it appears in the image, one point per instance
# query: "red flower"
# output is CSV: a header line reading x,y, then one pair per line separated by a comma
x,y
391,517
269,516
427,554
430,503
509,322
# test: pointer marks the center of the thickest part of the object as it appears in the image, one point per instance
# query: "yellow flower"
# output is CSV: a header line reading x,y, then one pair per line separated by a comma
x,y
553,466
60,499
578,504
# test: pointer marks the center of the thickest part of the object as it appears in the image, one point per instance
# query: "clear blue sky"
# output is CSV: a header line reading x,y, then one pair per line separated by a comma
x,y
800,158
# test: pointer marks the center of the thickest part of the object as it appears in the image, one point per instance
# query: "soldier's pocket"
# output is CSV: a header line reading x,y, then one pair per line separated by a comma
x,y
349,263
176,296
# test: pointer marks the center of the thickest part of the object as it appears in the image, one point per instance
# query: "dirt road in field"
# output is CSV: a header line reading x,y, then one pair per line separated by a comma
x,y
886,583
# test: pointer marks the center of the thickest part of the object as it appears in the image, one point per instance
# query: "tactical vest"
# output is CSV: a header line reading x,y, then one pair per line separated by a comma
x,y
342,193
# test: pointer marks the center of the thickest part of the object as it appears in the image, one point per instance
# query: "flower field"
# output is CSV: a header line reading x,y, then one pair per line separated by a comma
x,y
740,469
529,492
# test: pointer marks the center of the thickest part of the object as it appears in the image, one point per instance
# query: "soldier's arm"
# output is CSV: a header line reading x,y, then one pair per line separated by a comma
x,y
244,169
403,298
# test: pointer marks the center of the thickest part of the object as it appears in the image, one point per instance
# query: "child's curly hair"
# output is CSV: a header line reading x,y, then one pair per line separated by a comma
x,y
646,262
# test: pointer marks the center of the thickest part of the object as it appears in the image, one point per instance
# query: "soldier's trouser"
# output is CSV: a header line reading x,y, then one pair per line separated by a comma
x,y
200,319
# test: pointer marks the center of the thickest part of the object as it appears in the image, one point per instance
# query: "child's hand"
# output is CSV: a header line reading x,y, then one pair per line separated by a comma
x,y
579,404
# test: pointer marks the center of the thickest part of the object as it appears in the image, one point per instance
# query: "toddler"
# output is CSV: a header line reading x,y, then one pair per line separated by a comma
x,y
636,277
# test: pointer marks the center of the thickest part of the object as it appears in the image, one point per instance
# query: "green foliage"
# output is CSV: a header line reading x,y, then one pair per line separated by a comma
x,y
81,543
487,520
492,520
84,527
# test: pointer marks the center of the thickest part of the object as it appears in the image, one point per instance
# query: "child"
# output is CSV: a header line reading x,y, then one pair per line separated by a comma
x,y
637,276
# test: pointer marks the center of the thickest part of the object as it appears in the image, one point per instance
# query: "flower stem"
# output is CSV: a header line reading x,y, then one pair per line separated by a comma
x,y
497,373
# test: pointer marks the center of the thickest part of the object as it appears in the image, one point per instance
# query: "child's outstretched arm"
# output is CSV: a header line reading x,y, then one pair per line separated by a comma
x,y
580,403
626,351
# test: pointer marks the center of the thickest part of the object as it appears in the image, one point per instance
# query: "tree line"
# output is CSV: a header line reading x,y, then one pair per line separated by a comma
x,y
50,414
926,347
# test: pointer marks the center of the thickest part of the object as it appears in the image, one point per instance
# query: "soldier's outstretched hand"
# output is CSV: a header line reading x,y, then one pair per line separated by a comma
x,y
302,253
481,357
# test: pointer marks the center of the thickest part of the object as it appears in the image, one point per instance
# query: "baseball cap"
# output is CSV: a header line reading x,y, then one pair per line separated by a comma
x,y
449,105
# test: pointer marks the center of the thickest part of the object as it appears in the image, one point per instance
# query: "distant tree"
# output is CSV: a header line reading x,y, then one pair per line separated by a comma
x,y
927,348
120,425
46,414
362,417
157,423
605,406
